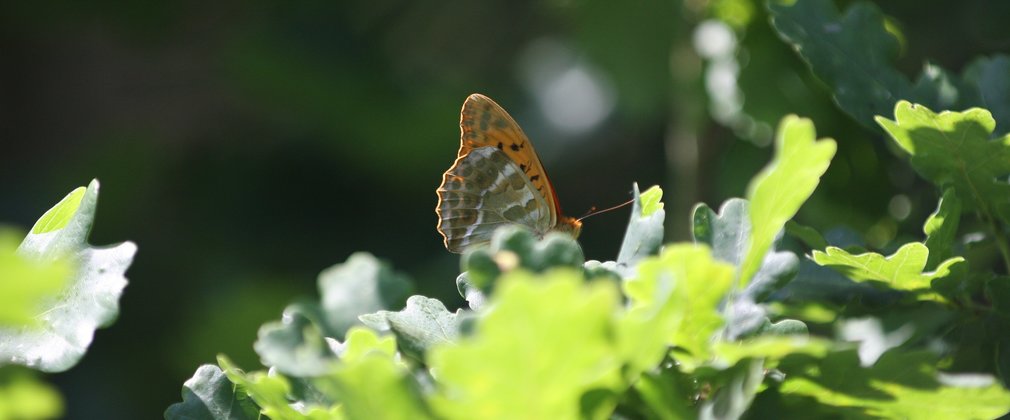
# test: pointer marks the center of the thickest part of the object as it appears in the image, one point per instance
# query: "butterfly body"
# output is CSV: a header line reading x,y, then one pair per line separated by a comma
x,y
497,179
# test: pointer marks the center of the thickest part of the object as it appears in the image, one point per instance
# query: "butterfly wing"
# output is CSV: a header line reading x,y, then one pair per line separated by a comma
x,y
485,124
483,190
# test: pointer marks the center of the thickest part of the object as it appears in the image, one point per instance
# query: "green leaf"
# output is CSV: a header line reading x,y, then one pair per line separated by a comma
x,y
733,399
900,385
777,193
362,341
25,284
514,246
210,395
361,285
770,348
23,396
902,270
941,229
544,342
270,392
295,345
953,149
674,300
90,299
373,386
853,54
665,394
651,200
61,214
990,78
728,234
645,230
810,236
422,324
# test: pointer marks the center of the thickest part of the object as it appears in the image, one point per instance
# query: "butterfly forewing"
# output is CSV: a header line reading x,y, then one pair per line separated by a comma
x,y
483,190
485,124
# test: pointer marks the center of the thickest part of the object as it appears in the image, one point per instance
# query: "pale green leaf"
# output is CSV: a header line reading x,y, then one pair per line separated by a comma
x,y
67,321
424,323
777,193
902,270
23,396
674,301
295,345
644,234
543,343
26,284
363,284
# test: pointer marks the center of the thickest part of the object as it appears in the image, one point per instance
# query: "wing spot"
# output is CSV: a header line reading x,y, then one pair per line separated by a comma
x,y
514,147
501,146
534,178
522,167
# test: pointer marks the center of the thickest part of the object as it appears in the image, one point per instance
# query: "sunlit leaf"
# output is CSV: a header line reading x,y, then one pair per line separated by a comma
x,y
902,270
953,149
777,193
543,344
67,321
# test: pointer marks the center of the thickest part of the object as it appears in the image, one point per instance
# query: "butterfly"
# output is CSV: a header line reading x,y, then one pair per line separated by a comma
x,y
497,179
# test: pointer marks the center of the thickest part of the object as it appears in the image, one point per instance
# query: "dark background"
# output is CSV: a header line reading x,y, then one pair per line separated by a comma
x,y
246,146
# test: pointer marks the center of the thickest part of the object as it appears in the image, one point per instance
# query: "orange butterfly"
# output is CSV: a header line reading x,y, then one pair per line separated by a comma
x,y
497,179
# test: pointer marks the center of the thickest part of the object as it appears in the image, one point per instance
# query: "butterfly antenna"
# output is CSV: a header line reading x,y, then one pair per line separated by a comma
x,y
592,211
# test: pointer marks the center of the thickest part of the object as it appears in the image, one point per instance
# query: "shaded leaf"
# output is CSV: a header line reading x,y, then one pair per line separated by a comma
x,y
899,385
728,233
295,344
210,395
270,392
67,321
359,286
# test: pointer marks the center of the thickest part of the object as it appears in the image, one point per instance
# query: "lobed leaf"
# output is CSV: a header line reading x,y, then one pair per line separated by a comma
x,y
295,345
424,323
361,285
901,384
674,300
952,149
645,229
209,394
66,321
777,193
902,270
543,344
25,284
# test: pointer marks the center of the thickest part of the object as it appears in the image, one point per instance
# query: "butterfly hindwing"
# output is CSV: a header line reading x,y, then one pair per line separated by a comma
x,y
485,124
483,190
